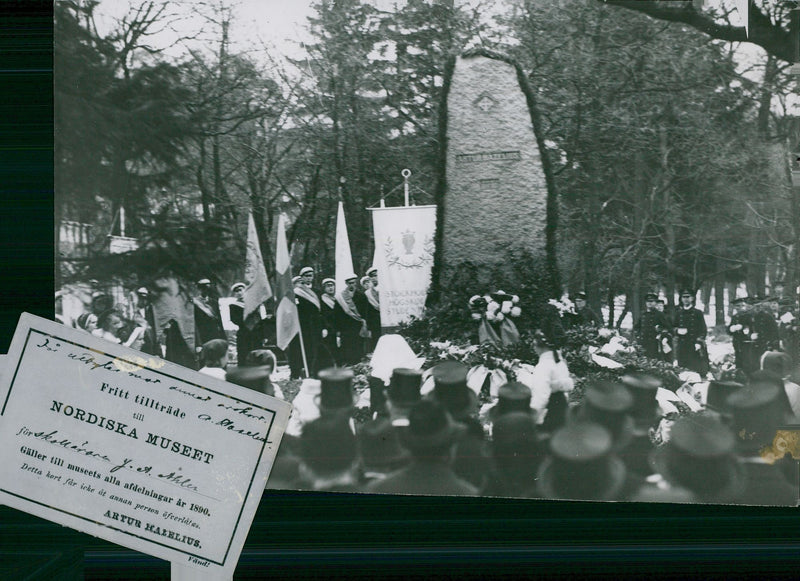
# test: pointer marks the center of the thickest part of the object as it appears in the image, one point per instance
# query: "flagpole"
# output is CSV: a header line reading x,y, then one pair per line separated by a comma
x,y
303,348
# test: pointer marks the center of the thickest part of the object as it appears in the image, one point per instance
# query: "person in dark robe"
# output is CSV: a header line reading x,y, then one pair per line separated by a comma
x,y
372,312
328,355
207,320
309,313
250,335
177,350
144,316
690,331
653,331
350,323
765,335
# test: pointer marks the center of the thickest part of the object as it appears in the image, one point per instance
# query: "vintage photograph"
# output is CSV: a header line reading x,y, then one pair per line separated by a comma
x,y
537,249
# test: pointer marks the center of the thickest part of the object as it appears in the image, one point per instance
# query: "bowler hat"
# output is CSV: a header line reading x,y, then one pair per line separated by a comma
x,y
336,390
380,446
643,388
700,456
581,465
450,389
404,387
511,397
608,404
757,413
430,427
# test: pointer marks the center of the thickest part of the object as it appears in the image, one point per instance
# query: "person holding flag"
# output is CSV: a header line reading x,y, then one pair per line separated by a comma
x,y
287,320
309,313
350,322
249,312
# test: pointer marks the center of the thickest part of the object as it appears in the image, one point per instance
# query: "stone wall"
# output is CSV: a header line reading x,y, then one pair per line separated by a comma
x,y
496,196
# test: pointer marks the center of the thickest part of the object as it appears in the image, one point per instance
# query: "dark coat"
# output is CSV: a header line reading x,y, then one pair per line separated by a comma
x,y
328,350
311,328
586,317
207,323
247,339
652,327
373,317
433,478
740,329
352,349
692,322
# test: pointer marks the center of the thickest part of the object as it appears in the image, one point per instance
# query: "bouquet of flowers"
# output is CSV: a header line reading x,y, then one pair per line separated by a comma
x,y
564,306
494,312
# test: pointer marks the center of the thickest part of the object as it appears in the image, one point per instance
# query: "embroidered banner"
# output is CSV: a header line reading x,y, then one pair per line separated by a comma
x,y
404,245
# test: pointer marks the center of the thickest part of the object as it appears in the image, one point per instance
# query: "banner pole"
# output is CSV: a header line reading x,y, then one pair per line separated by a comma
x,y
406,173
303,350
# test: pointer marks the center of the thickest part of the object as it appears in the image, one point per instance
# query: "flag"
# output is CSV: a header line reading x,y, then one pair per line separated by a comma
x,y
287,322
743,7
257,289
344,259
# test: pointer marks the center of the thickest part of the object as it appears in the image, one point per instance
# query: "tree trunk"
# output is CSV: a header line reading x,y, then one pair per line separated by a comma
x,y
719,296
611,306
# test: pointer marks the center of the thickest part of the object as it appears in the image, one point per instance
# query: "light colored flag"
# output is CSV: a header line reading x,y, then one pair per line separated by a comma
x,y
287,322
743,6
257,289
344,258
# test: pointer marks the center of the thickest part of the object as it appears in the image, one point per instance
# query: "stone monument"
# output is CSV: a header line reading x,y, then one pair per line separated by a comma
x,y
494,197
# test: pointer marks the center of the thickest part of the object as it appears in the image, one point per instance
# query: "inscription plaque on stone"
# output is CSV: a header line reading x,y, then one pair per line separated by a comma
x,y
496,196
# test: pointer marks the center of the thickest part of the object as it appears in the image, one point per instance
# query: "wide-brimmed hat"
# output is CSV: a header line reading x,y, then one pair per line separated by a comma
x,y
451,390
608,404
430,427
757,413
336,393
380,447
404,387
699,456
643,387
581,465
511,397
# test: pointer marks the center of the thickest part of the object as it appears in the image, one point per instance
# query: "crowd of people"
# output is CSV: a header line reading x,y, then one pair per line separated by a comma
x,y
435,441
338,328
426,433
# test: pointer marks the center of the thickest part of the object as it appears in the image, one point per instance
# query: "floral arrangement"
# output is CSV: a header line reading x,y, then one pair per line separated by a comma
x,y
495,306
564,306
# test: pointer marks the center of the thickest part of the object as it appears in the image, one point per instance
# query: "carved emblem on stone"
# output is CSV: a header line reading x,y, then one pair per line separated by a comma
x,y
484,102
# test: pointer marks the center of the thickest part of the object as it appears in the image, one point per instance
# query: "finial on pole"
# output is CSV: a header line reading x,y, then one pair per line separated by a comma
x,y
406,173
